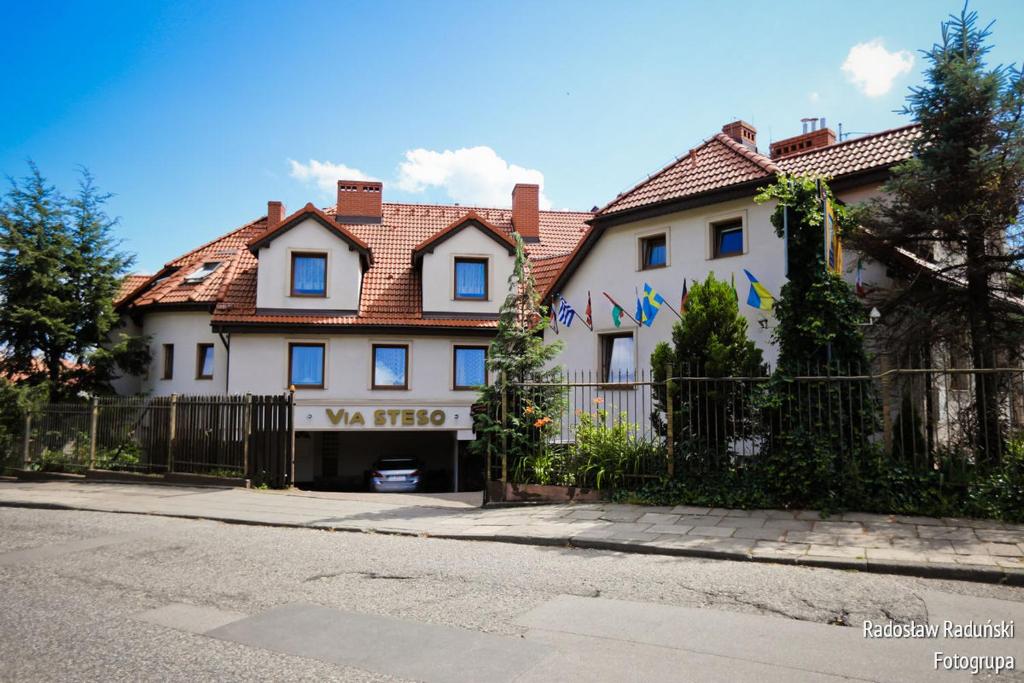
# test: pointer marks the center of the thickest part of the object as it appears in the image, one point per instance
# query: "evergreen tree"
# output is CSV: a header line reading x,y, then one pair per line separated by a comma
x,y
710,341
957,203
60,268
518,354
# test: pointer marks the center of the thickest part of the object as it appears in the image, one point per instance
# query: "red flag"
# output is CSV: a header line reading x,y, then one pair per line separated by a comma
x,y
686,297
590,317
861,290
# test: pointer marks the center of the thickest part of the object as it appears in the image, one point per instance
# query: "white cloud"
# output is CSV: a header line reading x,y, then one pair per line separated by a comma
x,y
471,175
325,174
814,97
873,69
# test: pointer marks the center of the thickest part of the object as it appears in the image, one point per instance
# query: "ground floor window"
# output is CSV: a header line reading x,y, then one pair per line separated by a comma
x,y
168,371
204,361
306,365
618,359
470,363
390,366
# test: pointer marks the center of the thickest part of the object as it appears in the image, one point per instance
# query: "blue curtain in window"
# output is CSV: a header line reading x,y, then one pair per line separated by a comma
x,y
471,279
307,365
730,242
309,275
657,257
470,367
389,366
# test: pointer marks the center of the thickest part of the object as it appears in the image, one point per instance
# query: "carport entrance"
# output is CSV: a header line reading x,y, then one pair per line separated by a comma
x,y
342,460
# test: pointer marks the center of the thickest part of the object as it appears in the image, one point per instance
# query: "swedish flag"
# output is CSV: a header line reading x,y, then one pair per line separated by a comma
x,y
652,302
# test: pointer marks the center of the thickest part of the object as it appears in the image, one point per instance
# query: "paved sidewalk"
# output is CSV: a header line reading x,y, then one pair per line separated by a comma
x,y
967,549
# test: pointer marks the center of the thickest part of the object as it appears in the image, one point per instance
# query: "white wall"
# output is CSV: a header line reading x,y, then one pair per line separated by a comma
x,y
439,273
184,329
613,266
259,365
126,385
344,272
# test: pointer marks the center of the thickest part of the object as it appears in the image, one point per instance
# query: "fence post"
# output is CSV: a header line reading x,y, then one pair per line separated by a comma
x,y
94,418
884,366
504,425
246,433
172,428
291,436
26,453
670,428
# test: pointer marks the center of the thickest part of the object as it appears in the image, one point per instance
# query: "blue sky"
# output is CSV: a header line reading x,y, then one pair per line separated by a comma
x,y
192,113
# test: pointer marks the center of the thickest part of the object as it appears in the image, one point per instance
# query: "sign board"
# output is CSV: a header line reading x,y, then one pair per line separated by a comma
x,y
336,416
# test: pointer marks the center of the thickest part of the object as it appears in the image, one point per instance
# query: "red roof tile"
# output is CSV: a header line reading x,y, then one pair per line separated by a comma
x,y
391,286
306,212
879,150
128,286
469,217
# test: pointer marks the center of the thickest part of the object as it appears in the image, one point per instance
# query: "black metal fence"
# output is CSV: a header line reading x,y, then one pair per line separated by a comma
x,y
924,419
231,436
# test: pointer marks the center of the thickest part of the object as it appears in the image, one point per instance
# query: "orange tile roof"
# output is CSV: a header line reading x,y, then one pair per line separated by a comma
x,y
309,210
128,285
878,150
721,163
469,217
391,294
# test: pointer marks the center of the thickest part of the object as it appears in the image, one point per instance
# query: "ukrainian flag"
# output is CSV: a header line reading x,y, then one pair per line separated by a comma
x,y
759,297
652,302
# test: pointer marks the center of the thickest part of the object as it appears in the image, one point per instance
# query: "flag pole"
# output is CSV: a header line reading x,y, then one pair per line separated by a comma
x,y
672,308
616,304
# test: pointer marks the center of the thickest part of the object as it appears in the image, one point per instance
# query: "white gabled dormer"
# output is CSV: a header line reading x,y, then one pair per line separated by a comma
x,y
465,268
308,262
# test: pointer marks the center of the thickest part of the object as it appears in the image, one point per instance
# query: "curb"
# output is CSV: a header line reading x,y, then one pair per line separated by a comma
x,y
954,572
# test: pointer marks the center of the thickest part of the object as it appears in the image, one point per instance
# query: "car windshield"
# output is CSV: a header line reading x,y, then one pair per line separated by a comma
x,y
397,464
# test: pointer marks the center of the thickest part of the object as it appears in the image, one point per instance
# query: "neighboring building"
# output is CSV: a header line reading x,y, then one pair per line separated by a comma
x,y
697,215
378,314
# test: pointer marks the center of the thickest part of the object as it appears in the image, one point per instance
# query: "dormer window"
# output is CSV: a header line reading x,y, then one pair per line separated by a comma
x,y
471,278
201,273
309,274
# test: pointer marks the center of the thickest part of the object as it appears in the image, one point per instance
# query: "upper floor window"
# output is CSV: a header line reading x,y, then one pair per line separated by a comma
x,y
470,363
168,361
727,238
204,361
390,366
471,278
309,274
618,360
306,365
653,252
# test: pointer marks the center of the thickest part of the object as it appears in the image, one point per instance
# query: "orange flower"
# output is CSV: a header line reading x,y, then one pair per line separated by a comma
x,y
542,422
530,410
579,411
598,401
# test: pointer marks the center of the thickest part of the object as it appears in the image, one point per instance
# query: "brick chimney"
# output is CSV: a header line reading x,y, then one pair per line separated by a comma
x,y
815,135
526,211
275,214
742,132
359,201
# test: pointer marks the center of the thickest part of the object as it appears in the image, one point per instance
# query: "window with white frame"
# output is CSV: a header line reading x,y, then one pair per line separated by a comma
x,y
618,357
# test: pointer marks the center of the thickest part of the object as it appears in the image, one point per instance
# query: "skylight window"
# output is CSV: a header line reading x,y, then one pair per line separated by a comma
x,y
202,272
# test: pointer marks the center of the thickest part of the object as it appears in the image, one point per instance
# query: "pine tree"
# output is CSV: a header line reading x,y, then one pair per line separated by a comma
x,y
957,203
519,354
60,268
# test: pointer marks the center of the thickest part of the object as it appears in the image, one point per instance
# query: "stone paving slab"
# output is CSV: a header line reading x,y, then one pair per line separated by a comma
x,y
977,550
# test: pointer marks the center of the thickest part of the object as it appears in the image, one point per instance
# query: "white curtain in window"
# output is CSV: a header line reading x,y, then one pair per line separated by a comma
x,y
307,365
309,274
621,365
470,279
469,367
389,366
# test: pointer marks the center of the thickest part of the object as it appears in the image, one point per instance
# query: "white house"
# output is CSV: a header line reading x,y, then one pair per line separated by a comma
x,y
697,215
377,314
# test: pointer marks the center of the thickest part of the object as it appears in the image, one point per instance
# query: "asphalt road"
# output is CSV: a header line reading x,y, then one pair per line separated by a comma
x,y
85,596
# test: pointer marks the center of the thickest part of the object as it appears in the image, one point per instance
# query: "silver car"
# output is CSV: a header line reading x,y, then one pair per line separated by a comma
x,y
396,475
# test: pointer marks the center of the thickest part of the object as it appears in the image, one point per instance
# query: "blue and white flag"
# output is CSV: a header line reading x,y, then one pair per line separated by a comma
x,y
566,313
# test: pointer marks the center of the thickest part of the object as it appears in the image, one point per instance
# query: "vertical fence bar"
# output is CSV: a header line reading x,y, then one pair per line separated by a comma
x,y
27,449
504,427
670,417
246,434
172,418
94,417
